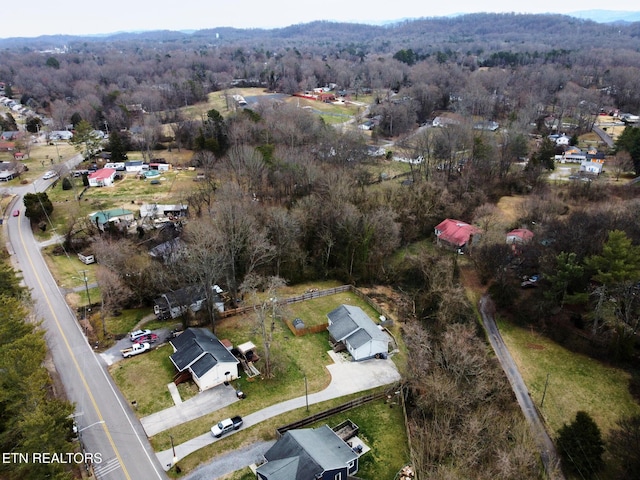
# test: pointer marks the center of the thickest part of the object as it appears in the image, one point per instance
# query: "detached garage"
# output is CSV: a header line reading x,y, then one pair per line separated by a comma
x,y
359,334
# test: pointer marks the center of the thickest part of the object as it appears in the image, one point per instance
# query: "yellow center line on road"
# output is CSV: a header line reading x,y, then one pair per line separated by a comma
x,y
73,357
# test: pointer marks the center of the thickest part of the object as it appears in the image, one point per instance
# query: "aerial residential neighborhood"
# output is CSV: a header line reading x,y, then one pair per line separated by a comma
x,y
323,251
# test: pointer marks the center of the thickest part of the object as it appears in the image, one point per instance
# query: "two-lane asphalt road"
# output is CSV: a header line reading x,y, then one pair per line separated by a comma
x,y
105,420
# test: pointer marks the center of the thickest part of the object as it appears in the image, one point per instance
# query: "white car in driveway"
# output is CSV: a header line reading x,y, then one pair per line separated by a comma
x,y
133,336
50,174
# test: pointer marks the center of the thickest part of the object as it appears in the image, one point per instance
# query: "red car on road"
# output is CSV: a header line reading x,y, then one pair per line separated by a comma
x,y
16,213
148,338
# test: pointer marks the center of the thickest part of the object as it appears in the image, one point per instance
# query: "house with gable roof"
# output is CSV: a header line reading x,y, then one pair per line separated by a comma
x,y
198,352
117,217
360,335
519,236
456,234
589,166
309,454
178,302
102,178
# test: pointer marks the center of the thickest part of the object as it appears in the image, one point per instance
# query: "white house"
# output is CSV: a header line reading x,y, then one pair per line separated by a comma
x,y
562,140
135,166
61,135
591,167
359,334
102,178
198,352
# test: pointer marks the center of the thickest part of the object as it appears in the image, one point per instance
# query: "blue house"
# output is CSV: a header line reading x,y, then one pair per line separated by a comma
x,y
309,454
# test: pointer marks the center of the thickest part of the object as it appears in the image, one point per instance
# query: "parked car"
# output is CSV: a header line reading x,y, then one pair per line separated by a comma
x,y
149,337
530,282
226,425
138,333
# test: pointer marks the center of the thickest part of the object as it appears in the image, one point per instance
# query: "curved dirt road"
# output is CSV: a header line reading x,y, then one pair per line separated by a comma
x,y
548,451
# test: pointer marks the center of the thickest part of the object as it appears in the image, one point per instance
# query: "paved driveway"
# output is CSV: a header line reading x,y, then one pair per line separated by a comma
x,y
346,378
113,354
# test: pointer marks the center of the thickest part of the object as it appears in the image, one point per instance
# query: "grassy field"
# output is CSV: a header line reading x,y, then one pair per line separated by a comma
x,y
331,113
576,382
129,193
41,158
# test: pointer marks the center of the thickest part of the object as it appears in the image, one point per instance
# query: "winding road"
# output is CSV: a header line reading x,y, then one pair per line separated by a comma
x,y
547,448
106,423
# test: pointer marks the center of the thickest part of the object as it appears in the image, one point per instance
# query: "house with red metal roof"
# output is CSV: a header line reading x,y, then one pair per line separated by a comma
x,y
102,178
519,235
456,234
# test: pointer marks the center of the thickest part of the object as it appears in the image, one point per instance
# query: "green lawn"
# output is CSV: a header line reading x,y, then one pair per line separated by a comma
x,y
381,428
120,325
144,379
576,382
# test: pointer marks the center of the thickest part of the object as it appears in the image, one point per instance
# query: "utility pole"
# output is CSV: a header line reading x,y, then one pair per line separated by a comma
x,y
545,391
306,393
86,286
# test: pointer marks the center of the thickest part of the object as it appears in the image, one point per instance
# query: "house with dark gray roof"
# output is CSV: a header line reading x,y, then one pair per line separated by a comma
x,y
199,352
359,334
309,454
176,303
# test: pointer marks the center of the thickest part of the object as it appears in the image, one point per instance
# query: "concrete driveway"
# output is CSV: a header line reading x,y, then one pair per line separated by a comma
x,y
113,354
347,377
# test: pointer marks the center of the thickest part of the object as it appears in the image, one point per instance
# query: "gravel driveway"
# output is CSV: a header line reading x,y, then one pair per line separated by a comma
x,y
230,462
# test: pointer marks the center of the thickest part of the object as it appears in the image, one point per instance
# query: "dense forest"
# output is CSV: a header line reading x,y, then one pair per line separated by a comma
x,y
287,195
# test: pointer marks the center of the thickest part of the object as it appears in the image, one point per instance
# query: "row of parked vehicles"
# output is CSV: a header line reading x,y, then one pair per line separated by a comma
x,y
141,341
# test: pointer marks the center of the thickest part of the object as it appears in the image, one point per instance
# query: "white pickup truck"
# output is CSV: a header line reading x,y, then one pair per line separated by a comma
x,y
226,425
136,349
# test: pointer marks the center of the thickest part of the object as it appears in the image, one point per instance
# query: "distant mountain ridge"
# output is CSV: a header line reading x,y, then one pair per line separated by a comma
x,y
548,29
607,16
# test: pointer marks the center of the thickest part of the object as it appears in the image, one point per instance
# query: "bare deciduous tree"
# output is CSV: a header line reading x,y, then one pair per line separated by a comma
x,y
264,306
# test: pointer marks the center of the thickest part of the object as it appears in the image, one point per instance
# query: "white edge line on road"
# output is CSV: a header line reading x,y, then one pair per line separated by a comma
x,y
37,276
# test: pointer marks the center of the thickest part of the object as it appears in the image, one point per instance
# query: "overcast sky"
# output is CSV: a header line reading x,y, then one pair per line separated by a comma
x,y
75,17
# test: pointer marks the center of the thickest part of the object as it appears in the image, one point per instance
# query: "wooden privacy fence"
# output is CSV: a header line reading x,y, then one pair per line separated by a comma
x,y
332,411
310,295
299,332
